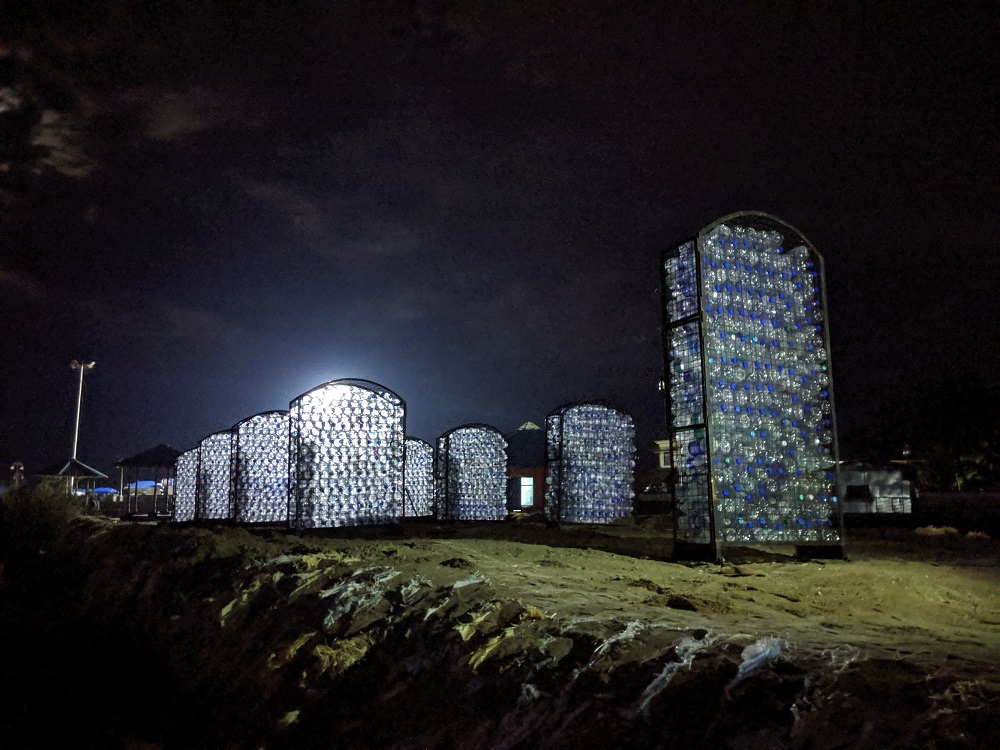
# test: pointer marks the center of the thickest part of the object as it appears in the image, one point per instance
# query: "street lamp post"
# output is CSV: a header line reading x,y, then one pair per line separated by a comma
x,y
17,475
81,366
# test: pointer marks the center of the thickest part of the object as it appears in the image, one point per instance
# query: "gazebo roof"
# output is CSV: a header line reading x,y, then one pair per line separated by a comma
x,y
162,456
73,468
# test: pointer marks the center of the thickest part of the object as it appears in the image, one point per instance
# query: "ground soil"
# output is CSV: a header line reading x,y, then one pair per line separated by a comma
x,y
504,635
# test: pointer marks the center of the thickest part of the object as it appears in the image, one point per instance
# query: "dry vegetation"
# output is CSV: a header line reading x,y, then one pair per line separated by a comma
x,y
516,636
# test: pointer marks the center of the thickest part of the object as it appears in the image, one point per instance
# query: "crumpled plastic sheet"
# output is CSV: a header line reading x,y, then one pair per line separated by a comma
x,y
362,590
631,631
758,652
685,652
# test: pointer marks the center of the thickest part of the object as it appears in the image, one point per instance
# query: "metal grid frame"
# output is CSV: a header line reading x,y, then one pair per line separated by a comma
x,y
470,479
419,490
260,468
346,455
759,402
590,474
214,493
186,486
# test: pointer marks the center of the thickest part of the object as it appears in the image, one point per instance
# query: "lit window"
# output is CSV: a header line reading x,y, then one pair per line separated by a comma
x,y
527,492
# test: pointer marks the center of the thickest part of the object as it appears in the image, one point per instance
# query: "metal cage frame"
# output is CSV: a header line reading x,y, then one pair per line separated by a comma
x,y
694,317
296,480
442,472
178,485
554,455
202,512
408,502
238,502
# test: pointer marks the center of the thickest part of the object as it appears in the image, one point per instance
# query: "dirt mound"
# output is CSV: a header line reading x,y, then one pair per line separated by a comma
x,y
436,637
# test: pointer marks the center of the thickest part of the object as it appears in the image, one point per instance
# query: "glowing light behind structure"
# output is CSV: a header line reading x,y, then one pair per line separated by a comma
x,y
419,478
471,474
260,468
591,463
214,495
749,386
185,486
346,453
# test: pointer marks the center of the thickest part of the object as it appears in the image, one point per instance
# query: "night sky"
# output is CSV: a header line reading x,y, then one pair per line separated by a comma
x,y
226,204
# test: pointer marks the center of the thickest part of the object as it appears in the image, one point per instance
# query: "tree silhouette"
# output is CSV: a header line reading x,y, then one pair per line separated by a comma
x,y
949,425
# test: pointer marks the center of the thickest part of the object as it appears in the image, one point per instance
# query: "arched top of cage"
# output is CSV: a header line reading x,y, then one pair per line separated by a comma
x,y
272,413
479,426
413,439
473,427
764,222
216,437
575,405
190,452
357,384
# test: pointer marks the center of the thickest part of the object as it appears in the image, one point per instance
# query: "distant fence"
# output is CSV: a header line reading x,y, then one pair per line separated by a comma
x,y
965,511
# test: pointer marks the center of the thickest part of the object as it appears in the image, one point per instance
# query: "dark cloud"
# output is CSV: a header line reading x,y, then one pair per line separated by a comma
x,y
227,203
20,287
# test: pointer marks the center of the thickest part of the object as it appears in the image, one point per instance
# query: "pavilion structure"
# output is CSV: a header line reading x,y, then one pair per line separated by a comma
x,y
147,481
74,474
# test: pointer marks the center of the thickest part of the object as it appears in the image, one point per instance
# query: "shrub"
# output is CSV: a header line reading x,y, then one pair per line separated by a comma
x,y
29,517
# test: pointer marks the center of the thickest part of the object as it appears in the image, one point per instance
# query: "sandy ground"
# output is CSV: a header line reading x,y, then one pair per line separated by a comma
x,y
510,636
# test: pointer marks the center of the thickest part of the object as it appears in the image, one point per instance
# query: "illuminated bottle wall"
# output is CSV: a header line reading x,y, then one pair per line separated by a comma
x,y
213,500
185,486
346,455
471,474
260,468
419,478
748,386
590,464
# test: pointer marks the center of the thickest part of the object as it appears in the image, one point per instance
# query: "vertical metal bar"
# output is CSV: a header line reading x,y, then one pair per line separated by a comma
x,y
402,493
293,484
668,414
156,487
833,411
230,511
79,403
561,447
447,477
172,489
435,472
197,486
234,451
716,541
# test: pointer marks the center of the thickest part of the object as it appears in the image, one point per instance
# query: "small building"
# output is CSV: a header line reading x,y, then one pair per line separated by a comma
x,y
654,486
868,487
526,469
